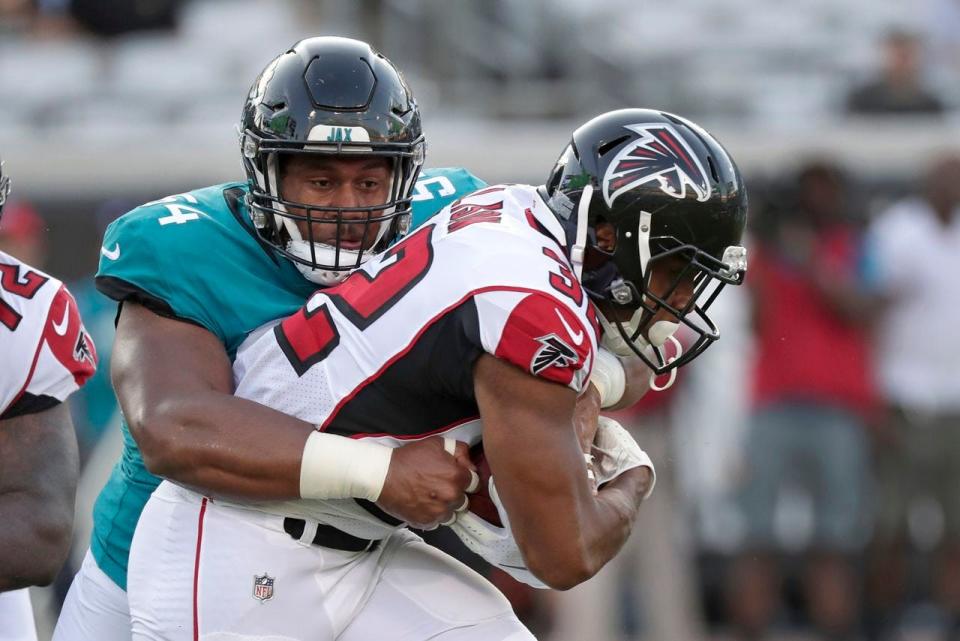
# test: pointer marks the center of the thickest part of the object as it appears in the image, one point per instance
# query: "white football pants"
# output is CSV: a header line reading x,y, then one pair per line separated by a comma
x,y
16,616
95,608
202,570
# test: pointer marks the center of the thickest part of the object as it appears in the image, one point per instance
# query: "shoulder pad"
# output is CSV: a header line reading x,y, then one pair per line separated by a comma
x,y
438,187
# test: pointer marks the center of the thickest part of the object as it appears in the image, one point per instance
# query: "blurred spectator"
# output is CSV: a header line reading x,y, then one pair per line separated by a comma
x,y
942,29
899,88
812,394
15,15
23,233
110,18
104,18
52,20
916,248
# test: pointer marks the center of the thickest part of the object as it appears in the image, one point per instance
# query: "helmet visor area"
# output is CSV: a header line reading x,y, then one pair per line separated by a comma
x,y
334,238
353,234
680,285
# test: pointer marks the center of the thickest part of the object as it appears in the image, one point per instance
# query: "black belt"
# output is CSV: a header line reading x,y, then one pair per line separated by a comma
x,y
330,537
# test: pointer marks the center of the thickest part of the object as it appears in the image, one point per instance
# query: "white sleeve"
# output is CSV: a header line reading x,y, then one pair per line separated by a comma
x,y
538,333
51,355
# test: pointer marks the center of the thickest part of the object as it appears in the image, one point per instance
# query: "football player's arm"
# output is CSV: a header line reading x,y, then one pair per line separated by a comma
x,y
637,382
174,382
620,381
38,482
564,531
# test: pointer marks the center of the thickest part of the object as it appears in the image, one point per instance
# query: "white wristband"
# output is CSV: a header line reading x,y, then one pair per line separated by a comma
x,y
609,378
337,467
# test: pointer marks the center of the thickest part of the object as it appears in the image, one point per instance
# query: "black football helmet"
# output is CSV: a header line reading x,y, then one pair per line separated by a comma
x,y
4,188
335,97
668,189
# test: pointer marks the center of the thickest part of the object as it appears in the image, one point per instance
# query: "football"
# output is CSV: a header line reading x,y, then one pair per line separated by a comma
x,y
480,502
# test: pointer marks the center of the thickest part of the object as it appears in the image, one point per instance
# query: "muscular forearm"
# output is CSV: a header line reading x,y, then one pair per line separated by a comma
x,y
617,505
564,531
637,382
574,546
219,444
174,381
186,421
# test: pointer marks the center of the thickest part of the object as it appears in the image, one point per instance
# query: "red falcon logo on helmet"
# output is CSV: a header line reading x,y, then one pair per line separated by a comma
x,y
659,155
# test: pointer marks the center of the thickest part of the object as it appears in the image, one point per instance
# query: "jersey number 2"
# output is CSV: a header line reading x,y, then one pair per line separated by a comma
x,y
26,287
309,336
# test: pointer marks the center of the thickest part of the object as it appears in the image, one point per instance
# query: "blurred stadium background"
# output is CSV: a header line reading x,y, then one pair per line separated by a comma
x,y
105,104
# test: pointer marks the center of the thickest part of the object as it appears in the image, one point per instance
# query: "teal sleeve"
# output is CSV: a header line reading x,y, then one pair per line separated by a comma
x,y
438,187
156,264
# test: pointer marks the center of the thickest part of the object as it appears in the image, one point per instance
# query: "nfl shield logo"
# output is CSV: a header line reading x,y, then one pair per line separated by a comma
x,y
263,587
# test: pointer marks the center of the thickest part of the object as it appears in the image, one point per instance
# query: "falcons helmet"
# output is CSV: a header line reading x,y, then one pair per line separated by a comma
x,y
668,189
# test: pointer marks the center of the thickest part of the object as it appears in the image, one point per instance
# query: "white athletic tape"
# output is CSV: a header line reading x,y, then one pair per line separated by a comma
x,y
609,377
337,467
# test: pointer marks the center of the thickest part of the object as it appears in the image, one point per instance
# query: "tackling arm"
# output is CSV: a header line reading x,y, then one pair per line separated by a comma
x,y
38,482
175,385
564,531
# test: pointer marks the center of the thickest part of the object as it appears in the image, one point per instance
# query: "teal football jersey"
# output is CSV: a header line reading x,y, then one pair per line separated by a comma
x,y
437,188
196,257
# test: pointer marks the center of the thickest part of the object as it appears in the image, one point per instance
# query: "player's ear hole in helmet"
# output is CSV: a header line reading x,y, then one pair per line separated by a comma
x,y
337,99
654,210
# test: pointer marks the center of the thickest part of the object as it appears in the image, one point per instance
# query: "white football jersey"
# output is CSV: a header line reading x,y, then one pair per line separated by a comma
x,y
388,354
45,352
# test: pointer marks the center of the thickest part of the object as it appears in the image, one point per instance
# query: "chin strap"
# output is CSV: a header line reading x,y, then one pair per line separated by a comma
x,y
579,248
615,339
643,241
673,372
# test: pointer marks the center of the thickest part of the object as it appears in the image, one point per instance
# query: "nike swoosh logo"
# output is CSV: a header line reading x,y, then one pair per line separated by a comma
x,y
112,254
577,337
61,327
